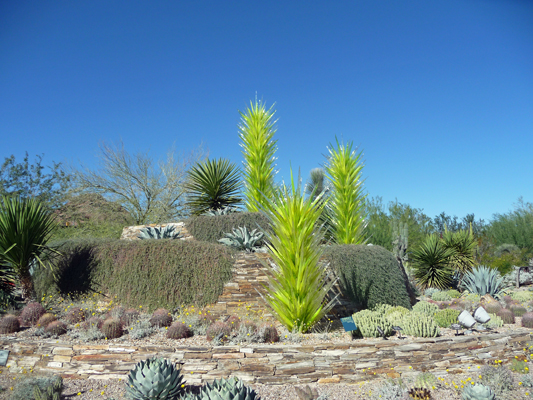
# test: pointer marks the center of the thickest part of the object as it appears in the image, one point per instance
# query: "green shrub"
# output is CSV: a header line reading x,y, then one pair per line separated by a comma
x,y
444,318
454,294
522,296
168,273
211,228
441,296
369,275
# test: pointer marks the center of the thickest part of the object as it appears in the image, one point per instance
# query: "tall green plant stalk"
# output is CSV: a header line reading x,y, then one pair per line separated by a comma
x,y
298,283
25,228
256,132
346,201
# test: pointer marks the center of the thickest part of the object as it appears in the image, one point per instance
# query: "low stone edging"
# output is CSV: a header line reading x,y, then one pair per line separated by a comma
x,y
348,362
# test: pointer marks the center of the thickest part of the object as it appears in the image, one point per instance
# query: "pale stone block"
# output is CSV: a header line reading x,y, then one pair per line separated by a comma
x,y
63,351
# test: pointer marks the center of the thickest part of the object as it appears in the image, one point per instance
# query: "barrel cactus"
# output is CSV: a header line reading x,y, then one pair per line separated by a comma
x,y
419,325
154,379
9,324
478,392
367,323
224,389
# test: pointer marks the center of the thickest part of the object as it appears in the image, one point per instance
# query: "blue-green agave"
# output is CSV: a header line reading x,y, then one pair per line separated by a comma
x,y
224,389
165,232
483,280
154,379
241,239
478,392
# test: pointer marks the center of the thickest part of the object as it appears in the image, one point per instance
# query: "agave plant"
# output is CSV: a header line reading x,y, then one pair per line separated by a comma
x,y
241,239
297,281
483,280
165,232
224,389
220,211
346,201
154,379
25,228
213,185
478,392
432,264
256,132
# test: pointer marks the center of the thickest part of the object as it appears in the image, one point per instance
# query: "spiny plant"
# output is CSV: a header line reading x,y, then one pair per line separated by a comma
x,y
483,280
155,379
161,318
463,244
425,380
130,315
75,315
45,319
494,322
425,307
308,393
346,203
297,282
518,310
498,377
444,318
431,263
527,320
478,392
492,308
56,328
213,185
93,322
51,392
219,330
420,393
231,388
112,328
268,333
31,313
9,324
165,232
178,330
506,315
242,239
256,132
441,296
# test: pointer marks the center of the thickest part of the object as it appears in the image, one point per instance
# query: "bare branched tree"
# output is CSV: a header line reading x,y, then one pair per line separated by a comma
x,y
151,193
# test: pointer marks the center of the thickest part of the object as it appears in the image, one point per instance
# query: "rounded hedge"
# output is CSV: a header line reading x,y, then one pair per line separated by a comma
x,y
369,275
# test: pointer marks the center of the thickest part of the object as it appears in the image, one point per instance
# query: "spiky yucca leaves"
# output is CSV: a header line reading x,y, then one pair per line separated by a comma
x,y
431,262
346,202
258,148
297,281
213,185
464,245
25,228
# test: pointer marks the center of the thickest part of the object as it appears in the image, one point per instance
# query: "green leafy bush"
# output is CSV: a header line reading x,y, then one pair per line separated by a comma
x,y
168,273
441,296
212,228
454,294
369,275
444,318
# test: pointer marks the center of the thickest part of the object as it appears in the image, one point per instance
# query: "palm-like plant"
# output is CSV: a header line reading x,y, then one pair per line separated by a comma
x,y
346,202
432,263
298,283
25,227
213,185
256,132
464,245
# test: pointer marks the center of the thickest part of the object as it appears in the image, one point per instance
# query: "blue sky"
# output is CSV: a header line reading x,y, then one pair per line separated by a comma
x,y
437,94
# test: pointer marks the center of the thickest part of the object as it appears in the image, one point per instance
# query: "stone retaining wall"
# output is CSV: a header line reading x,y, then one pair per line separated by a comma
x,y
350,362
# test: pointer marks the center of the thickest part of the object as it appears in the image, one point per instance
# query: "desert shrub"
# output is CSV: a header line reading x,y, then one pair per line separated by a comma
x,y
93,322
522,296
140,329
518,310
161,318
197,322
178,330
506,315
454,294
220,330
117,312
527,320
444,305
130,315
268,333
498,377
441,296
388,390
246,333
233,322
196,271
444,318
56,328
9,324
45,319
211,228
112,328
75,315
31,313
369,275
494,322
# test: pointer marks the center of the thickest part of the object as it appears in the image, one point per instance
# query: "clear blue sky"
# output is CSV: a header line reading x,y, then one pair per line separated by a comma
x,y
438,94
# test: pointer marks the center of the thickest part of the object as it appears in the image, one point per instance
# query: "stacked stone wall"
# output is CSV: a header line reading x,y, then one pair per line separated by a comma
x,y
350,362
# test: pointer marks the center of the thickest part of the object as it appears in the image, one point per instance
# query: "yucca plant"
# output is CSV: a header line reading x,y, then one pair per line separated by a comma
x,y
213,185
346,202
464,245
431,263
25,228
298,283
258,148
